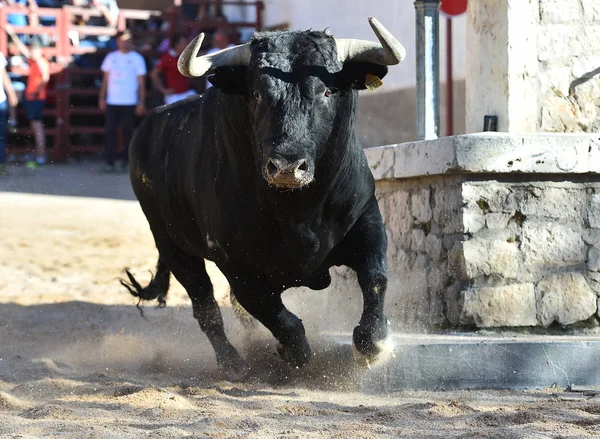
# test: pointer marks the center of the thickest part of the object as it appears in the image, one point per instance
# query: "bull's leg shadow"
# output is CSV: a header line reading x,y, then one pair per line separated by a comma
x,y
364,250
267,307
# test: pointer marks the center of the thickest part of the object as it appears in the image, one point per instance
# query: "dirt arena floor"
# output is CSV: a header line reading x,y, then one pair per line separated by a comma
x,y
78,361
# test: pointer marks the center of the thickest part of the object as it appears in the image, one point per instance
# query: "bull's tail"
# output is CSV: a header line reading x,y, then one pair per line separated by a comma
x,y
156,289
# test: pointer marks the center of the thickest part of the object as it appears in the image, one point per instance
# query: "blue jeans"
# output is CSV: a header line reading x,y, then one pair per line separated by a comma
x,y
3,122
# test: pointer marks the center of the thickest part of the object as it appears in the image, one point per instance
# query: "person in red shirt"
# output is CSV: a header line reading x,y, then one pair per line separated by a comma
x,y
35,100
176,86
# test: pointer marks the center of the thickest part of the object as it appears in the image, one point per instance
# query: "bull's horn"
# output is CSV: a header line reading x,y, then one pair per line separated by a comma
x,y
193,66
388,53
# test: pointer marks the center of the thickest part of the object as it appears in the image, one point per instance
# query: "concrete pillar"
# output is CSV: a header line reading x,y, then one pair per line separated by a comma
x,y
502,64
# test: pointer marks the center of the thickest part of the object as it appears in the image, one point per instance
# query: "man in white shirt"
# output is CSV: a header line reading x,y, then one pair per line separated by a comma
x,y
122,94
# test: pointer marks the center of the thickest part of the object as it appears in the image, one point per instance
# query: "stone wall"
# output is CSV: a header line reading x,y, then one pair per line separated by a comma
x,y
535,64
484,230
569,65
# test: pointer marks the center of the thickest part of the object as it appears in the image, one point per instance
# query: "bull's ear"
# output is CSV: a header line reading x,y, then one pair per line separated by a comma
x,y
359,75
230,80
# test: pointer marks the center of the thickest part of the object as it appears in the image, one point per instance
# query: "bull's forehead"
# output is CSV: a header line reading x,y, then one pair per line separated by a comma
x,y
295,51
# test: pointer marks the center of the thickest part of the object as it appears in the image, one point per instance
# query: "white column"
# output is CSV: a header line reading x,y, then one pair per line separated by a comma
x,y
502,64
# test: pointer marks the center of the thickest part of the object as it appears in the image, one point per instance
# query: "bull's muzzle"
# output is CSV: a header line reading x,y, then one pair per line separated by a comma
x,y
292,174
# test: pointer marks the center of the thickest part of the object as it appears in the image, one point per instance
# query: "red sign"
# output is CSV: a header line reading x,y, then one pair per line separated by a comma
x,y
453,7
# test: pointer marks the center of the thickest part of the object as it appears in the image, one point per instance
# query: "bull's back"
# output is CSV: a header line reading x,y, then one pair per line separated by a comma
x,y
163,134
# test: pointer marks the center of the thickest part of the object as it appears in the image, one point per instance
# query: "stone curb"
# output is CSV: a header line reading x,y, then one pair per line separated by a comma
x,y
472,361
489,152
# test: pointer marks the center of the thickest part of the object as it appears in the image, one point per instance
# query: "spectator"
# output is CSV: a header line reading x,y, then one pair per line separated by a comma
x,y
35,100
6,90
122,95
109,18
18,19
177,86
220,41
109,10
18,84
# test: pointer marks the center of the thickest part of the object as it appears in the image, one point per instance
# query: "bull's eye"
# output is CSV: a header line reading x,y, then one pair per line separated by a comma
x,y
328,92
256,94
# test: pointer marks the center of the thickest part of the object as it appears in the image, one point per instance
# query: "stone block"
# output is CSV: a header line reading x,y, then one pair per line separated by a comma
x,y
555,79
559,11
437,277
436,311
591,10
457,269
473,222
409,304
593,279
453,301
484,257
417,240
549,246
487,197
398,217
593,259
591,236
545,200
433,247
496,221
508,305
565,41
560,114
421,209
447,209
565,298
594,211
381,161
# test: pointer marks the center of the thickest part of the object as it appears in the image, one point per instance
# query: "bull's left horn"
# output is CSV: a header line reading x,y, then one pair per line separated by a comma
x,y
193,66
388,53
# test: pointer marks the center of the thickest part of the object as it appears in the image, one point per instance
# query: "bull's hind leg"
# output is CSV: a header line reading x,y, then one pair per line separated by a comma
x,y
191,273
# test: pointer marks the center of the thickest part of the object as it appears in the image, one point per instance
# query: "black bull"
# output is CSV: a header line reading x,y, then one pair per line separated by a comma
x,y
265,176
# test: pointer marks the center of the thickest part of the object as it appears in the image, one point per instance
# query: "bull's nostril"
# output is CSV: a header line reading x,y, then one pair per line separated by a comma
x,y
303,166
272,168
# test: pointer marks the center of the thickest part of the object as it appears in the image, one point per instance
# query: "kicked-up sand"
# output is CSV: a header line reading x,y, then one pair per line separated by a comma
x,y
78,361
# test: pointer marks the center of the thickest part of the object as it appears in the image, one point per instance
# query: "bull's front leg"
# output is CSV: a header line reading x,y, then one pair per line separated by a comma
x,y
364,250
256,296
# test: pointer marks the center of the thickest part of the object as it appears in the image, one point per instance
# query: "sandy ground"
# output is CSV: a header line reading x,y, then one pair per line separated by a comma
x,y
78,361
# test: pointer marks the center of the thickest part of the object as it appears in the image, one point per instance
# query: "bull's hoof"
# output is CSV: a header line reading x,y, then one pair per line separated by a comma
x,y
371,345
297,355
233,367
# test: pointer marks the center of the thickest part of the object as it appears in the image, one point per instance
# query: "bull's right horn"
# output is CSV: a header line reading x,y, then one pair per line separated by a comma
x,y
194,66
388,52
